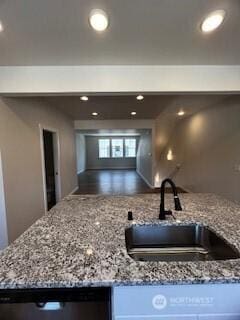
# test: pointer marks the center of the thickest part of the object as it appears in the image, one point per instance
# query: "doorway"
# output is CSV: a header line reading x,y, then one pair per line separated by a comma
x,y
3,220
114,161
50,164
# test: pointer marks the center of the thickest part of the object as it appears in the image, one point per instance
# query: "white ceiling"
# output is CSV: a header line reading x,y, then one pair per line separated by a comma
x,y
119,106
164,32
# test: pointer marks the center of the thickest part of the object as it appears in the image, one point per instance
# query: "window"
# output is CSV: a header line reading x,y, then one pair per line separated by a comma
x,y
104,148
130,148
117,148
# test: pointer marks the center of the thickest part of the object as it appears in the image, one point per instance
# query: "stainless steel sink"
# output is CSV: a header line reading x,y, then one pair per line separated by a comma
x,y
191,242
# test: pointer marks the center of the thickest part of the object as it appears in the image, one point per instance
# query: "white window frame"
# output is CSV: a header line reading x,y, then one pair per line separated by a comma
x,y
125,147
110,146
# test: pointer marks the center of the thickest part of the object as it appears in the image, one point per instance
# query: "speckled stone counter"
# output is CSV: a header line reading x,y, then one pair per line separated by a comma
x,y
81,242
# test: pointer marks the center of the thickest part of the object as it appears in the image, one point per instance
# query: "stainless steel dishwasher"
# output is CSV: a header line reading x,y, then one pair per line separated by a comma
x,y
60,304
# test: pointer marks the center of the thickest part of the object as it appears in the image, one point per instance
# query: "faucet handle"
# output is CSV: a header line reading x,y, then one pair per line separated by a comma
x,y
178,206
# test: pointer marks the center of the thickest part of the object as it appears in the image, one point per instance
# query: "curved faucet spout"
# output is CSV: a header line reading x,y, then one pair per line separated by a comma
x,y
178,207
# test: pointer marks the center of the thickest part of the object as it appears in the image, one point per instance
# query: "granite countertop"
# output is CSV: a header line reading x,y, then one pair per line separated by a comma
x,y
81,242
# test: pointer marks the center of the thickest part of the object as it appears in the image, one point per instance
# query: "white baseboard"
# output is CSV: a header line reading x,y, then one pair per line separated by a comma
x,y
73,191
147,182
112,168
81,171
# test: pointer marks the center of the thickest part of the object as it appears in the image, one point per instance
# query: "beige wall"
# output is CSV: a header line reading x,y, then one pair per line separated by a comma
x,y
81,152
21,158
145,158
206,146
114,124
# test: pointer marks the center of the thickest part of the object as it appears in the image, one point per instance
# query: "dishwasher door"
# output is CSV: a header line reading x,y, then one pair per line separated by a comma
x,y
55,304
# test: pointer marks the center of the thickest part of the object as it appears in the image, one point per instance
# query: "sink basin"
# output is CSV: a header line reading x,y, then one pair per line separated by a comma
x,y
191,242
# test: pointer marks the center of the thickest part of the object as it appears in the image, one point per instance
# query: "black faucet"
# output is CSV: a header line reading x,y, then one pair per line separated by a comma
x,y
163,212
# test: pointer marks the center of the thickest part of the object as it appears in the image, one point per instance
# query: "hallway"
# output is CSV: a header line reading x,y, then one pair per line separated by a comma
x,y
122,182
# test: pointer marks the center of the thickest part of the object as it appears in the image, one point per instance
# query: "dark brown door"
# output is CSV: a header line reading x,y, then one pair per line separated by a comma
x,y
69,311
49,168
56,304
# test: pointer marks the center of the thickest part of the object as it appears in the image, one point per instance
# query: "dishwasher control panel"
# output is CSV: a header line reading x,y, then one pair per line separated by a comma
x,y
171,302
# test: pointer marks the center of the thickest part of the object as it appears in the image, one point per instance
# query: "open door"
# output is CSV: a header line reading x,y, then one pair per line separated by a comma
x,y
51,179
3,220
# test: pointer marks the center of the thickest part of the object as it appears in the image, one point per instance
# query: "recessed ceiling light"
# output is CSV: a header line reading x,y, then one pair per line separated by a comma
x,y
94,114
181,113
140,97
1,26
84,98
98,20
213,21
133,113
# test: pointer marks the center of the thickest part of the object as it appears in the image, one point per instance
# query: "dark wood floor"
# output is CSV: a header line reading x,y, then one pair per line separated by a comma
x,y
114,182
111,182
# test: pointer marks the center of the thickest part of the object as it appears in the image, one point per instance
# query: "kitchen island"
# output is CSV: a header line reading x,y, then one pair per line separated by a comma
x,y
81,243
